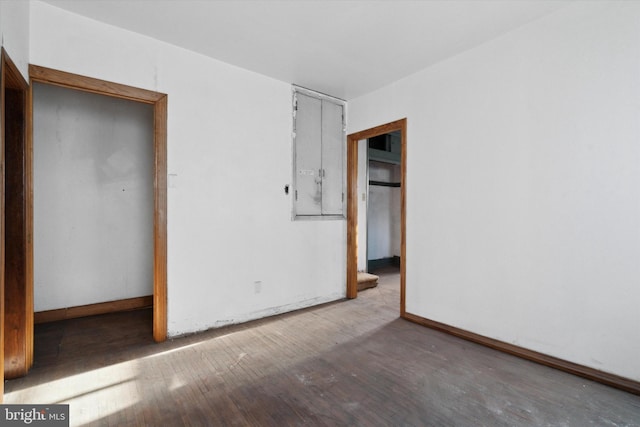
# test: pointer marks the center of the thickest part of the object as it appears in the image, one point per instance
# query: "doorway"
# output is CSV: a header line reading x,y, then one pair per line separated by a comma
x,y
382,194
158,101
354,226
17,321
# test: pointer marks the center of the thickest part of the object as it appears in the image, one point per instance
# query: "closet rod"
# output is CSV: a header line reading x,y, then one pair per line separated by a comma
x,y
384,184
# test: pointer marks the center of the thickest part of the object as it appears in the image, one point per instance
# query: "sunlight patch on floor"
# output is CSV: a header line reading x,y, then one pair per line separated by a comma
x,y
91,395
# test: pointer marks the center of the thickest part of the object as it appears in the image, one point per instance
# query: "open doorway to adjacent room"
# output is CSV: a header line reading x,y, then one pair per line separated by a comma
x,y
376,204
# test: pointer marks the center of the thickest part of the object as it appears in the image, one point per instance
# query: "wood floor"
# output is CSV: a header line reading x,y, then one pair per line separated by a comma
x,y
341,364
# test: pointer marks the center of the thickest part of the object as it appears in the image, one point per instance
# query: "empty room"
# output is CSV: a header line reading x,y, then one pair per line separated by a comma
x,y
358,212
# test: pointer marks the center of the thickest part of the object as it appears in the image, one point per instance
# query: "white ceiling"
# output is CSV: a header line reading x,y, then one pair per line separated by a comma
x,y
343,48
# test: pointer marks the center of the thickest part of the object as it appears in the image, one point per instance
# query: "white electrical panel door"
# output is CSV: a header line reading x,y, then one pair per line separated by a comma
x,y
308,155
333,147
319,156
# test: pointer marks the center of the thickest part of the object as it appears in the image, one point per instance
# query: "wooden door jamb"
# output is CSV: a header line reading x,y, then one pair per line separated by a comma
x,y
352,205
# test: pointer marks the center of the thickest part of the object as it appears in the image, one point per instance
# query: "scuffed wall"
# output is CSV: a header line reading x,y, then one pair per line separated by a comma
x,y
93,198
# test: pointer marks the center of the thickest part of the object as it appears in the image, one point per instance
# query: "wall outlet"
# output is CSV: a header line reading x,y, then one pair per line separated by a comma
x,y
257,286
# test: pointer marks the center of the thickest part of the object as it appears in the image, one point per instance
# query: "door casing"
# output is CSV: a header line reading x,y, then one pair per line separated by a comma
x,y
352,205
15,304
159,103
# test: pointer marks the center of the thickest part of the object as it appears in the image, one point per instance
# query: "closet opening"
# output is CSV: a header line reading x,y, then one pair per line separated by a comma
x,y
93,197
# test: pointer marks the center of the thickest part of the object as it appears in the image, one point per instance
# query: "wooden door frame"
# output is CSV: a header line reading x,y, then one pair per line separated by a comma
x,y
18,319
352,205
158,101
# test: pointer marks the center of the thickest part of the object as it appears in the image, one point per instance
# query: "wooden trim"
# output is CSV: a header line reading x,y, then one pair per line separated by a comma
x,y
159,102
12,77
160,222
93,309
397,125
89,84
352,204
17,299
352,217
534,356
2,215
28,179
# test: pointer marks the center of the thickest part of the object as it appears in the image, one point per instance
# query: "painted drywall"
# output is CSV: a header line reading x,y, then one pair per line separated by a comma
x,y
14,33
234,253
383,221
93,198
523,203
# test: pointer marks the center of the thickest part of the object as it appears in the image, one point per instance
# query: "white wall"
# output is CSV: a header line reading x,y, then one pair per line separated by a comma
x,y
93,198
523,201
229,145
14,33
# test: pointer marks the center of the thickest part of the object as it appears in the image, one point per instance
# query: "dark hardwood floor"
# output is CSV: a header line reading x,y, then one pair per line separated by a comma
x,y
341,364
